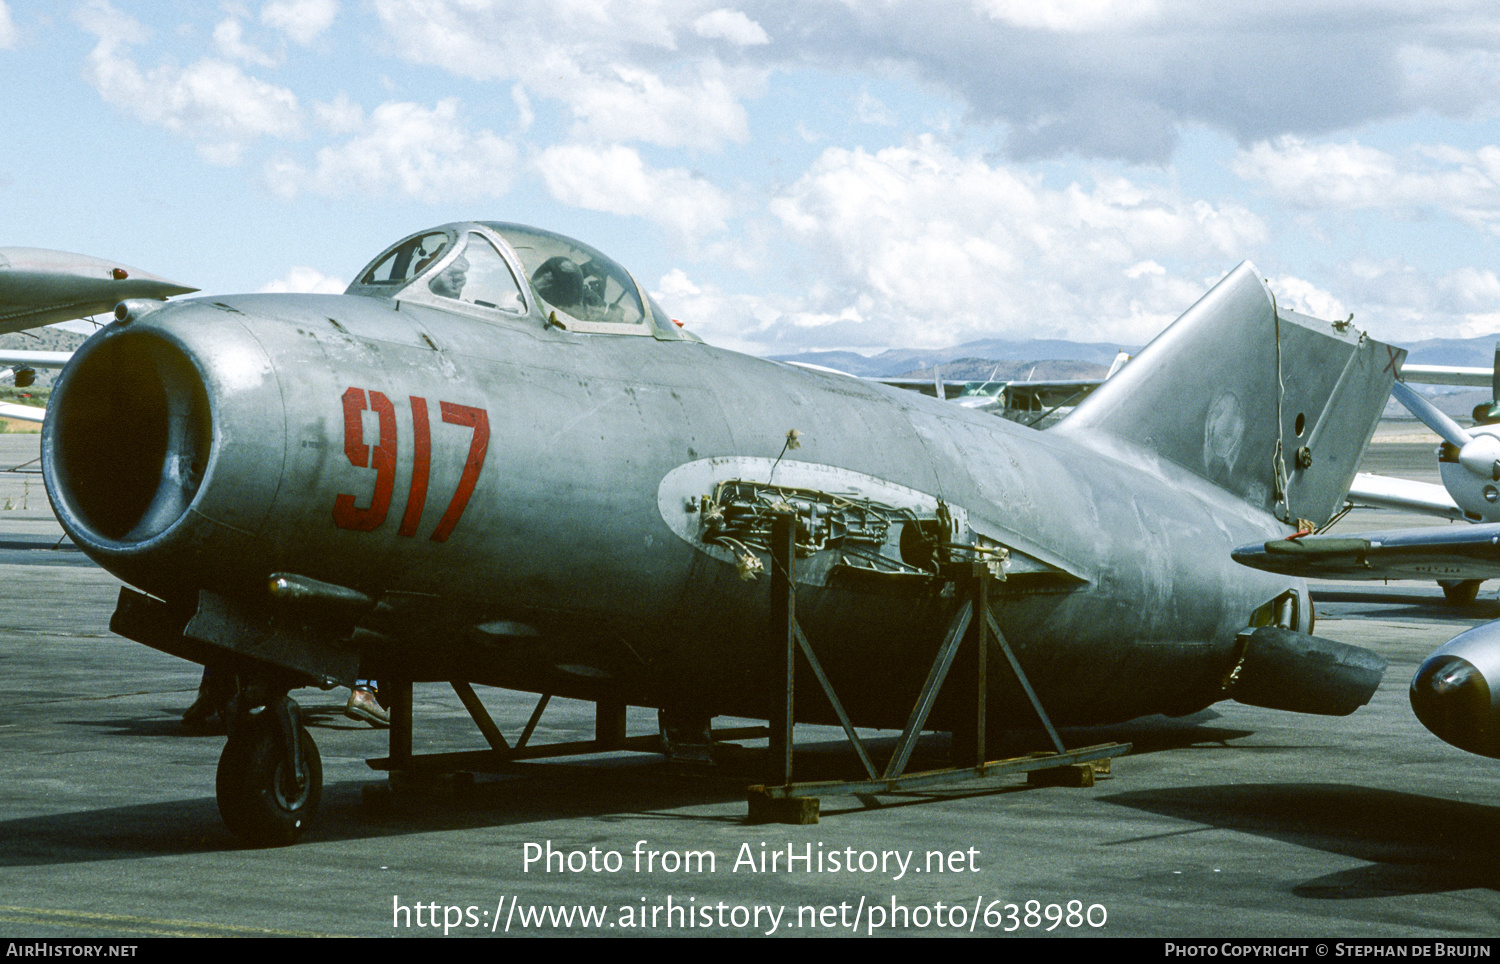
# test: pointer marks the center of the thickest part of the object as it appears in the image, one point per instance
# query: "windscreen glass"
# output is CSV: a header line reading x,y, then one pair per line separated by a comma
x,y
479,276
574,278
407,260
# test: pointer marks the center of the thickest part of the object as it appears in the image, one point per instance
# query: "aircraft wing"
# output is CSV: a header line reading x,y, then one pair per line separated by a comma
x,y
1045,393
809,366
926,386
1384,492
1031,401
22,413
34,359
1444,375
1056,392
1028,395
41,287
1440,552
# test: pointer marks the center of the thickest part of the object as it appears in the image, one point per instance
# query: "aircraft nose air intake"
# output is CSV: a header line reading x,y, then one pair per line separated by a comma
x,y
1454,691
1452,699
130,440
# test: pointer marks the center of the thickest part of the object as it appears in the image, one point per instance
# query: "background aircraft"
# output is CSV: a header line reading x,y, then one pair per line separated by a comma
x,y
1467,461
20,369
1028,401
1455,691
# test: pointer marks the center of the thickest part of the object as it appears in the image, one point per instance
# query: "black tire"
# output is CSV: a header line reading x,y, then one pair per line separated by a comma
x,y
258,801
1461,592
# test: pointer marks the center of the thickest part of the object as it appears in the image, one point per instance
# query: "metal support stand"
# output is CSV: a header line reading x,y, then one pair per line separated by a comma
x,y
965,644
609,724
399,694
963,654
782,641
609,734
480,716
405,773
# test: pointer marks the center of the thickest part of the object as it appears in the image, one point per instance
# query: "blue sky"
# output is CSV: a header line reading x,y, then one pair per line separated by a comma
x,y
789,174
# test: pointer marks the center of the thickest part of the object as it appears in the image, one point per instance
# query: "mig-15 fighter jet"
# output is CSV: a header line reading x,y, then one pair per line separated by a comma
x,y
495,459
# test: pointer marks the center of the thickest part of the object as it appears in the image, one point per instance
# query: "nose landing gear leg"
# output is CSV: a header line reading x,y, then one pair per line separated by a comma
x,y
270,777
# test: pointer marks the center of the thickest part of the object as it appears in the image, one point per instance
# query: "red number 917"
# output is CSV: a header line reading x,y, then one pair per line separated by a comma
x,y
382,458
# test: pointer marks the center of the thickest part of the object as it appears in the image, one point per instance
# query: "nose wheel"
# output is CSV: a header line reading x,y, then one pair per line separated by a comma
x,y
270,777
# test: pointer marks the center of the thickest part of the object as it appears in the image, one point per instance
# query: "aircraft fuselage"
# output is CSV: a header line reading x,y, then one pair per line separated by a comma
x,y
516,495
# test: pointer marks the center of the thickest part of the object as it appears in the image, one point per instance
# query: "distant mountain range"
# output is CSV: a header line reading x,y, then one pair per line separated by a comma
x,y
975,355
1456,352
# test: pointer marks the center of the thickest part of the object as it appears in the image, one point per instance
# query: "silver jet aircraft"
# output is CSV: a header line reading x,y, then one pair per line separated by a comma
x,y
495,459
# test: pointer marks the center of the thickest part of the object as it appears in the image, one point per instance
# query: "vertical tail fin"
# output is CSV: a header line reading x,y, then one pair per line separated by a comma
x,y
1271,405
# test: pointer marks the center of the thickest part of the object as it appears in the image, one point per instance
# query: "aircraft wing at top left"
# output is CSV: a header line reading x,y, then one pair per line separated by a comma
x,y
41,287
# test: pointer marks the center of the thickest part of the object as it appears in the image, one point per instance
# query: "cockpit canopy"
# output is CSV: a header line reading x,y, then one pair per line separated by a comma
x,y
496,269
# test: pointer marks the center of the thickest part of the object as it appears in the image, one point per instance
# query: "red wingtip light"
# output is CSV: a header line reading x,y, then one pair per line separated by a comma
x,y
119,274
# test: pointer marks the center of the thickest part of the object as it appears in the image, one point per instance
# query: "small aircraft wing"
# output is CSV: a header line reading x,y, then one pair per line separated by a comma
x,y
34,359
22,413
41,287
1384,492
1004,395
809,366
1039,394
1444,375
1448,375
925,386
1440,552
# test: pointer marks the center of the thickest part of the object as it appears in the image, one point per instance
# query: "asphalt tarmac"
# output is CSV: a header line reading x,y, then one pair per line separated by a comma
x,y
1238,822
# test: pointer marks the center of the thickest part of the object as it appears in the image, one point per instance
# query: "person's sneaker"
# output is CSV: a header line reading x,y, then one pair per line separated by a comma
x,y
364,707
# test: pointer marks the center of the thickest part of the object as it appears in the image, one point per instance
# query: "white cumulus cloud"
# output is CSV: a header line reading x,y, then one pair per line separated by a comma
x,y
1303,296
919,245
300,20
1096,78
211,101
1400,303
730,25
1068,16
617,180
229,40
756,324
1351,176
7,28
301,278
615,67
405,149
